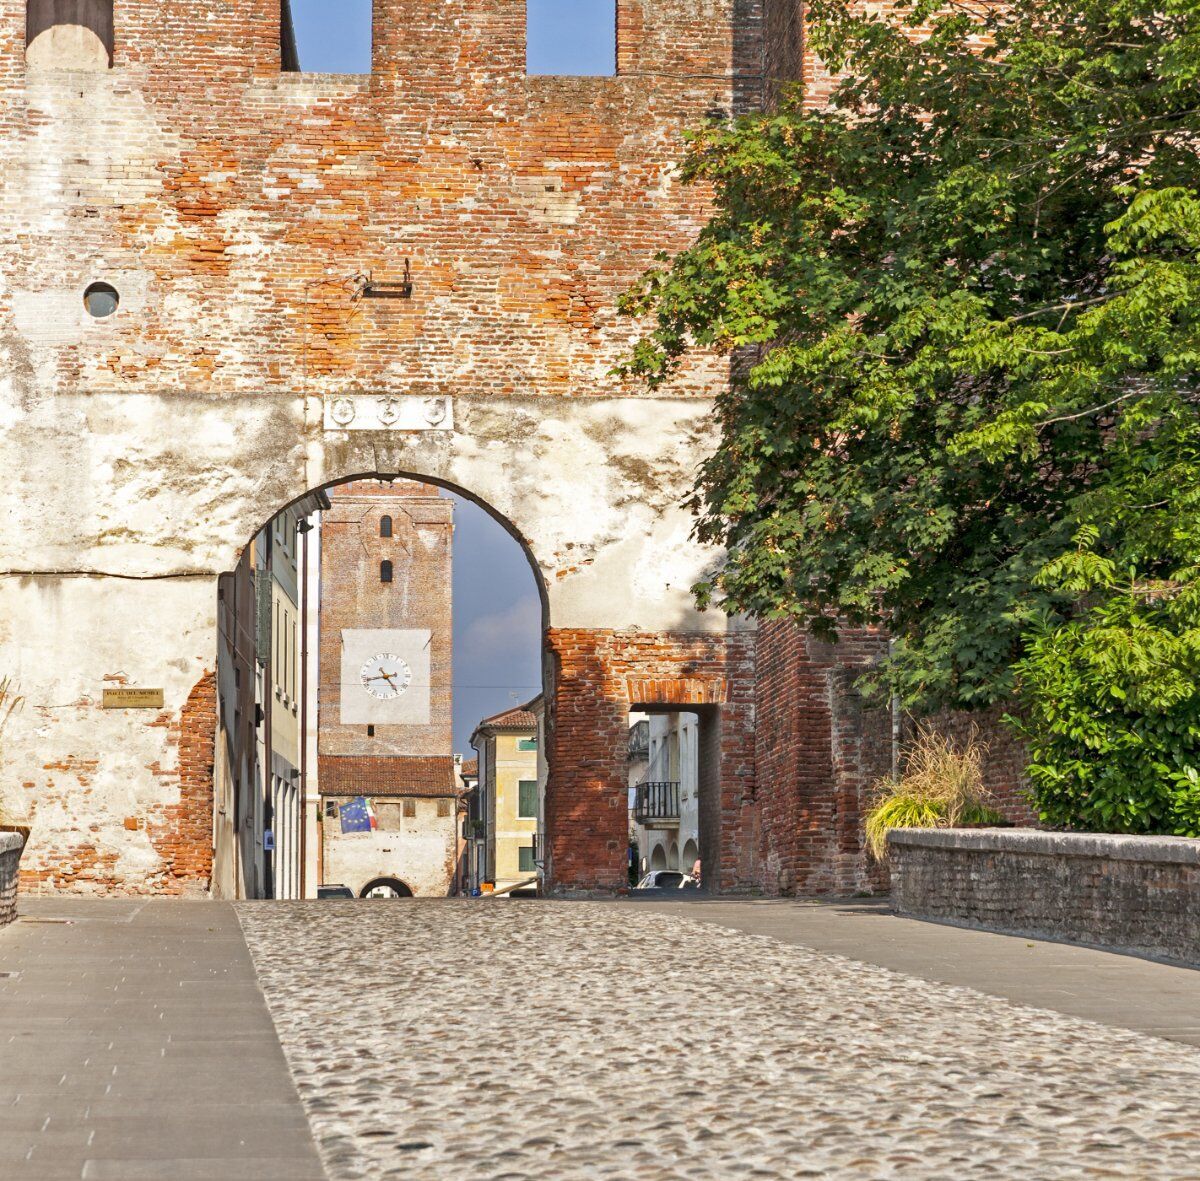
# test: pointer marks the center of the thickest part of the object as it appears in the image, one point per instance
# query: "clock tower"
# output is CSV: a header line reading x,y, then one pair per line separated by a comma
x,y
384,722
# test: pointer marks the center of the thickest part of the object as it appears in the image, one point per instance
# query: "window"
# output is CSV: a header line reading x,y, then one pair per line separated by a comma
x,y
444,807
327,38
388,817
527,799
578,38
101,300
69,34
410,808
385,572
525,863
370,731
527,744
385,526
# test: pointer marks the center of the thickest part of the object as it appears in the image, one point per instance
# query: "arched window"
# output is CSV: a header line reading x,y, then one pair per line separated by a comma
x,y
385,526
69,34
385,572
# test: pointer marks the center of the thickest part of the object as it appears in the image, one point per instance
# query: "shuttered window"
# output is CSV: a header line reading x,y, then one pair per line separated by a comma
x,y
527,799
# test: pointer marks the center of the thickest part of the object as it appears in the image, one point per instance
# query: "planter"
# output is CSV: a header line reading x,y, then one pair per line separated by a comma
x,y
1122,893
12,845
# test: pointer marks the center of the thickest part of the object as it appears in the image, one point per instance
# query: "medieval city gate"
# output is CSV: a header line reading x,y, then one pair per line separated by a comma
x,y
230,282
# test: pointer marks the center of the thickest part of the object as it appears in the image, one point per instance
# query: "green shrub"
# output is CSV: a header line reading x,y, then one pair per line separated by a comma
x,y
1111,713
942,787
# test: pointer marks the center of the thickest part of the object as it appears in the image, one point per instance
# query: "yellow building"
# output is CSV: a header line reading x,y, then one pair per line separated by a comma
x,y
508,799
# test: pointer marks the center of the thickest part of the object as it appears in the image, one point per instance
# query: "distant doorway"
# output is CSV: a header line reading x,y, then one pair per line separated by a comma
x,y
386,888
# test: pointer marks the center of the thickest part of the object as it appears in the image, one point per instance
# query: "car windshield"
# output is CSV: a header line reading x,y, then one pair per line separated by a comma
x,y
670,880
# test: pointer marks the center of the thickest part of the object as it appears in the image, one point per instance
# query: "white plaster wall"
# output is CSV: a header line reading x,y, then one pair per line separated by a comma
x,y
421,854
123,509
78,771
179,483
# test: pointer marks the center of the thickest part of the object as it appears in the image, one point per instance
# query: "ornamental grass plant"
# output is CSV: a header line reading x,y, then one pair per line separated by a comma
x,y
941,787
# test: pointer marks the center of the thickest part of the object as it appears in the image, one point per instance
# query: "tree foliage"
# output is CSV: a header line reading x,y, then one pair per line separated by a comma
x,y
962,303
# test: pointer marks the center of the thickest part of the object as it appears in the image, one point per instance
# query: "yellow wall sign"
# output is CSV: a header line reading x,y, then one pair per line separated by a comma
x,y
133,699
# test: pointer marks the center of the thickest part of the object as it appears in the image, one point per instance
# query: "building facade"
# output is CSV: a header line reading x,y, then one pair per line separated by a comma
x,y
666,810
259,768
509,800
387,774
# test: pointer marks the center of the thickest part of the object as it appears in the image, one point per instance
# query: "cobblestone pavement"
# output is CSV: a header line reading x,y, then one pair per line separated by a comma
x,y
577,1040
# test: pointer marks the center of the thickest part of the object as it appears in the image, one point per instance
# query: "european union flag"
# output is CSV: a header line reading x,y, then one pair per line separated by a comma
x,y
356,816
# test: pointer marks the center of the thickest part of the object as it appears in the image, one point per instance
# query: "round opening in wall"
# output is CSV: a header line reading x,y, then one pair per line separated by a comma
x,y
101,300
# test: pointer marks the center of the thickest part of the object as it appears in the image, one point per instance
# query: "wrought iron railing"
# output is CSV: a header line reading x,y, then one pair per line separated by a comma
x,y
656,801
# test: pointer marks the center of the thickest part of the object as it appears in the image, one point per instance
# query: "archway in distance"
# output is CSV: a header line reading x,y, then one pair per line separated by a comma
x,y
386,888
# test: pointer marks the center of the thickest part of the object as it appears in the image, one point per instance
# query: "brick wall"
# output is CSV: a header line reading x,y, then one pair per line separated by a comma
x,y
182,834
170,839
818,750
354,597
1136,894
191,174
597,677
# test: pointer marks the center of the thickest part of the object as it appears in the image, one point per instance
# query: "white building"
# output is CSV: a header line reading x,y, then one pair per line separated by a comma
x,y
666,808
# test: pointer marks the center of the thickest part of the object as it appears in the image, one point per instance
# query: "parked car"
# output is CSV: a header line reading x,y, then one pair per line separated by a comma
x,y
667,879
334,892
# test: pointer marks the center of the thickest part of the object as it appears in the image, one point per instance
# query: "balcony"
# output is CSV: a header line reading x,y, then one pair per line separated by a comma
x,y
656,805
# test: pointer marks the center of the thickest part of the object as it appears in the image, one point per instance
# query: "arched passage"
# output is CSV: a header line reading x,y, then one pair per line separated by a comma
x,y
386,888
374,639
69,34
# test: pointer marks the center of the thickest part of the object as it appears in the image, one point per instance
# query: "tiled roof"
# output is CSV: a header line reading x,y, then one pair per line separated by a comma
x,y
512,719
520,717
470,767
400,775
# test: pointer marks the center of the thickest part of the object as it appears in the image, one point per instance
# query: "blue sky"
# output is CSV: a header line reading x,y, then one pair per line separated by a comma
x,y
497,622
565,36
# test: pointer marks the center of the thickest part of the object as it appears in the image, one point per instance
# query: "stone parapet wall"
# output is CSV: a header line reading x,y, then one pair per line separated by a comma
x,y
11,844
1124,893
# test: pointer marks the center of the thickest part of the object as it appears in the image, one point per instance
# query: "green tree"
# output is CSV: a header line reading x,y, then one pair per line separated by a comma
x,y
962,304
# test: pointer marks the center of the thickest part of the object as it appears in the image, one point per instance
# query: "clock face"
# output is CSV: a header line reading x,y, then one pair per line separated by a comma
x,y
386,676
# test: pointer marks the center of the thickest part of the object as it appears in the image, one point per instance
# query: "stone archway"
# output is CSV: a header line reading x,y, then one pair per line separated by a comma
x,y
385,888
591,488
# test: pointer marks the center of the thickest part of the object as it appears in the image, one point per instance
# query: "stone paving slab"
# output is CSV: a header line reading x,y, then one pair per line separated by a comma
x,y
1126,991
135,1043
577,1040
